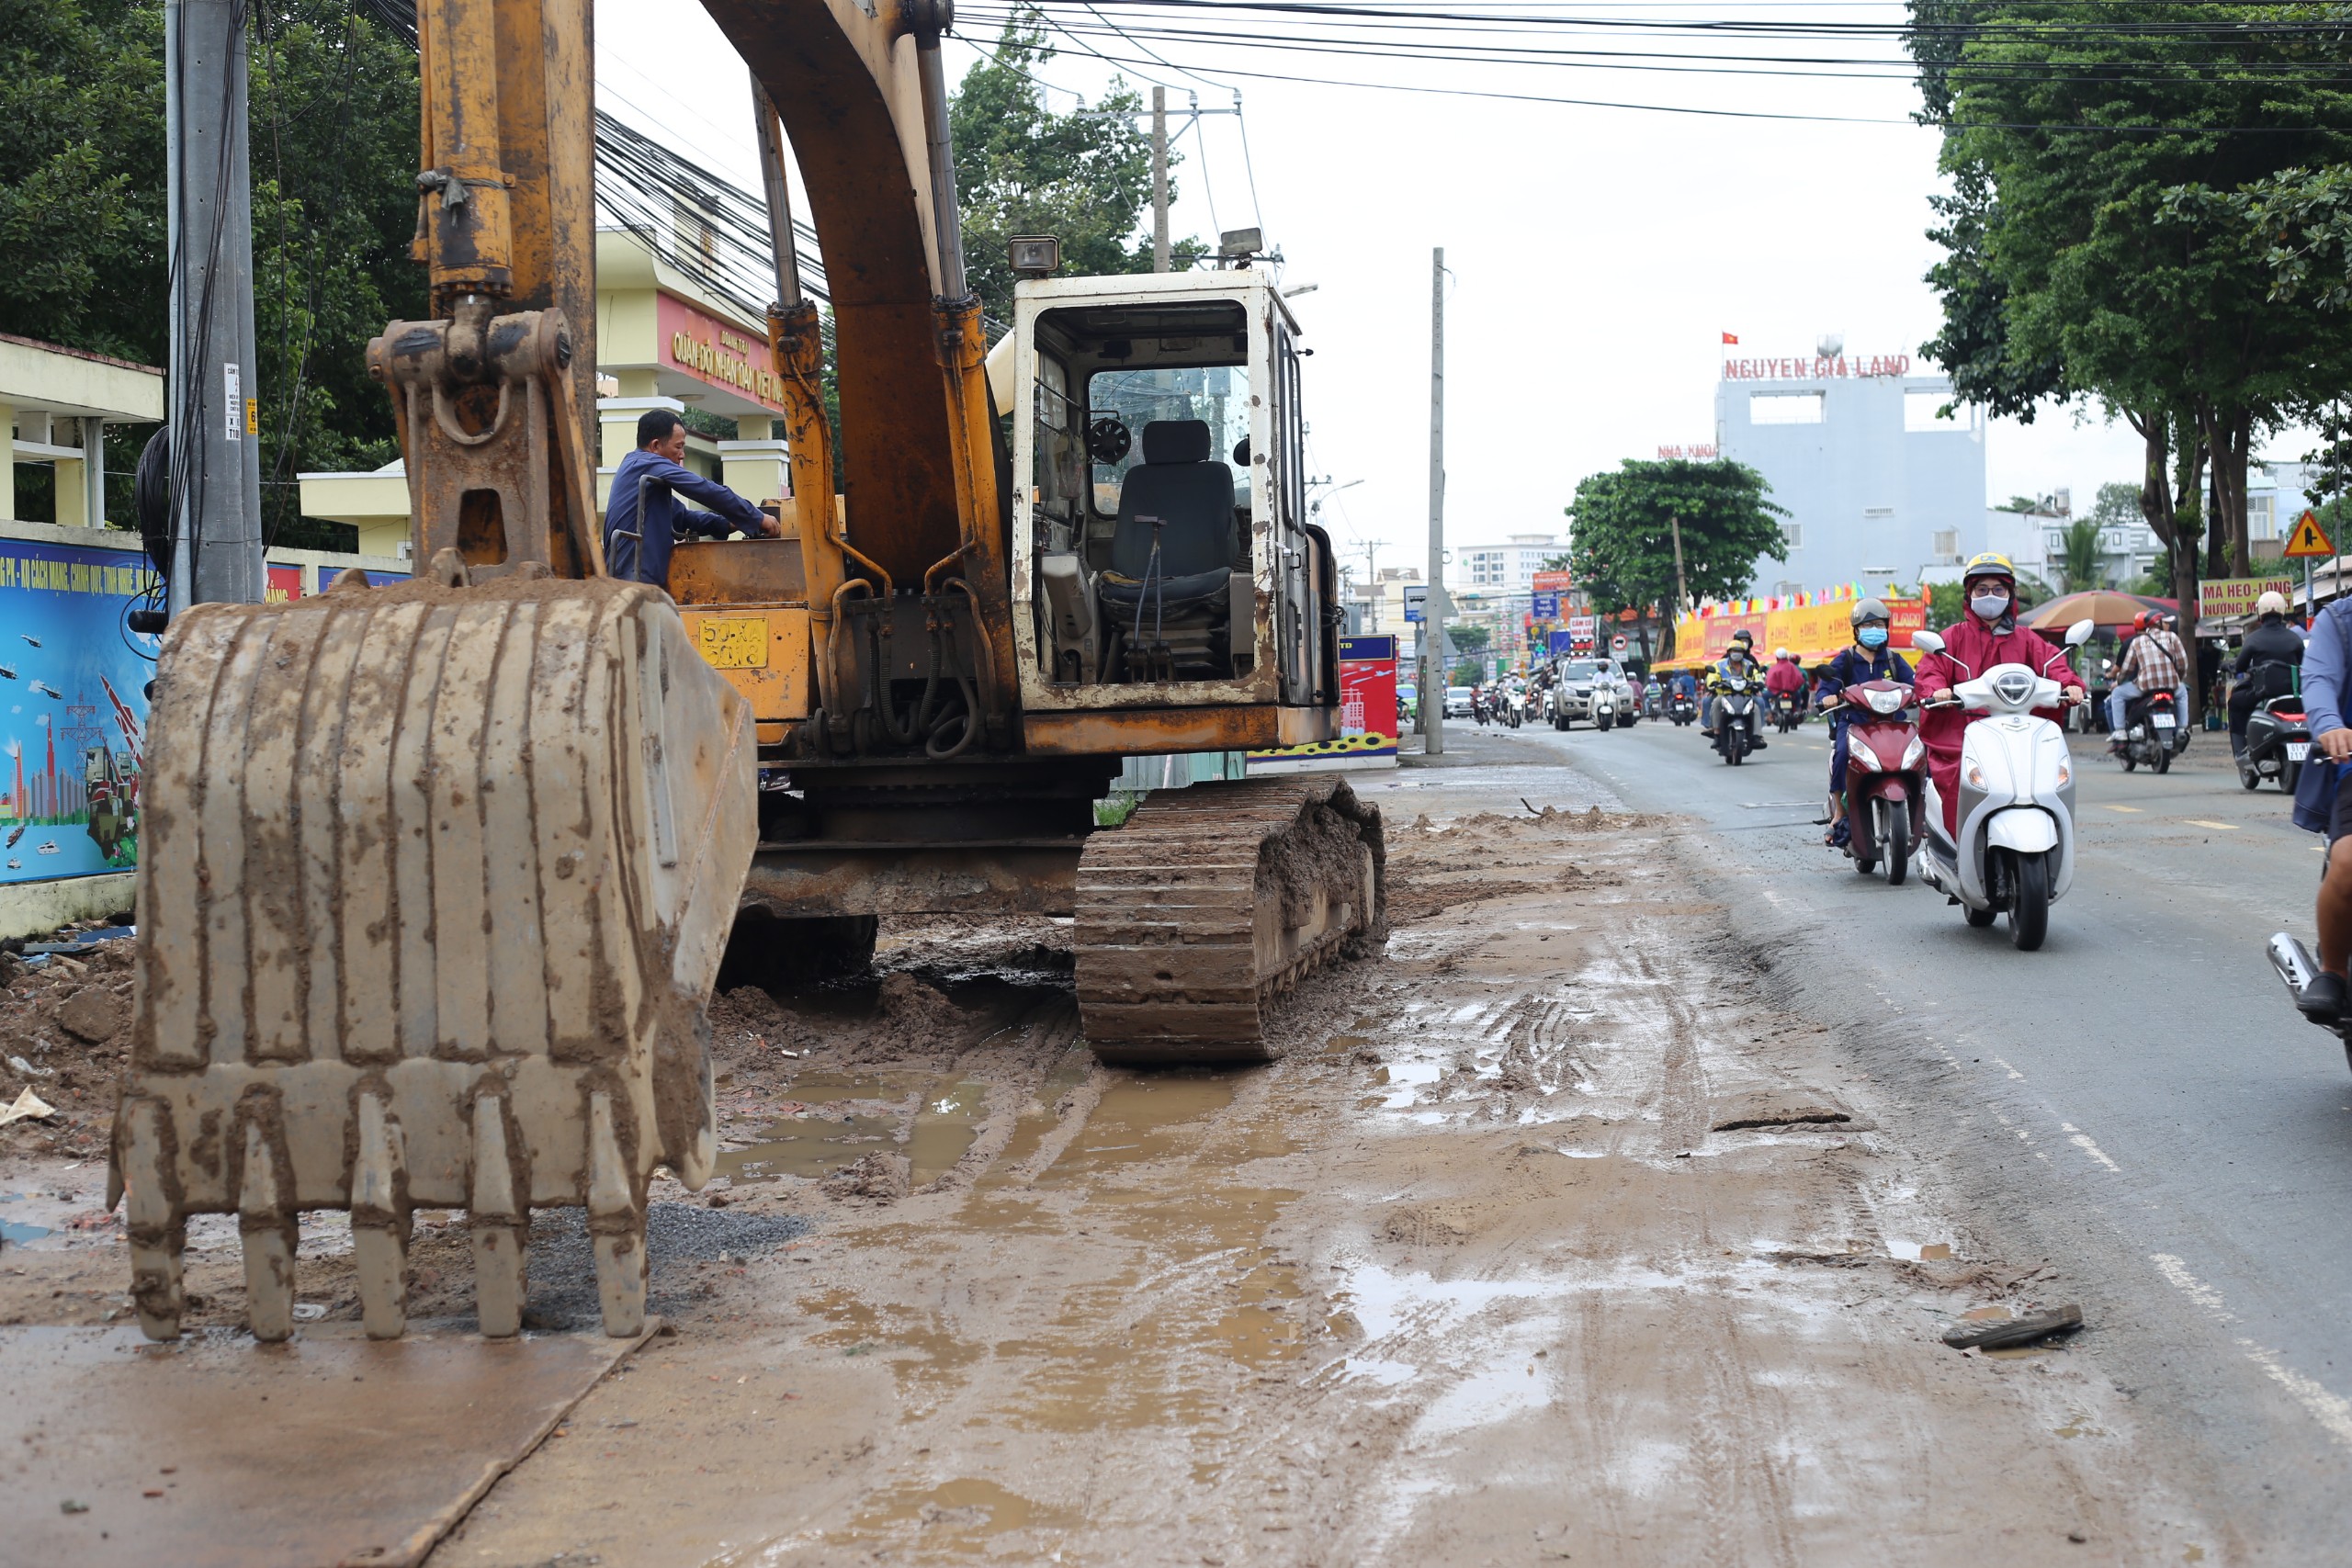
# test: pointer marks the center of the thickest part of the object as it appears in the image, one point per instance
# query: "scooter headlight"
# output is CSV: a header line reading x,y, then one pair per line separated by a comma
x,y
1915,755
1976,776
1863,756
2066,774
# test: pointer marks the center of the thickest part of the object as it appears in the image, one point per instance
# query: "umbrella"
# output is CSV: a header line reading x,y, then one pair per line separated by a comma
x,y
2105,607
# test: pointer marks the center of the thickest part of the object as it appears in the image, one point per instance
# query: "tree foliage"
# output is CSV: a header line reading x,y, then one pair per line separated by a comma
x,y
1622,527
2078,556
1083,177
333,107
2073,268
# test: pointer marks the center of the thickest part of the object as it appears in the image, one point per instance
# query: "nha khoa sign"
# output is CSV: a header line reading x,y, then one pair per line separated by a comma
x,y
1696,452
718,351
1817,367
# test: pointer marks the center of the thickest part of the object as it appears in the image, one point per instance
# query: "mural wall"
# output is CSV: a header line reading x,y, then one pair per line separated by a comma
x,y
73,709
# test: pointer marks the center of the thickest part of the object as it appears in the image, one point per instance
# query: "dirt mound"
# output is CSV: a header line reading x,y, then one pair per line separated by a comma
x,y
64,1033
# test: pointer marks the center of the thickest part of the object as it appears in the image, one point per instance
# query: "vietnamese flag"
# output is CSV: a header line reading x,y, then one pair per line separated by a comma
x,y
1731,337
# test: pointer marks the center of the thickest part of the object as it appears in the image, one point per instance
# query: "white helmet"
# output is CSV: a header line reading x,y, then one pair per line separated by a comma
x,y
1779,653
2272,602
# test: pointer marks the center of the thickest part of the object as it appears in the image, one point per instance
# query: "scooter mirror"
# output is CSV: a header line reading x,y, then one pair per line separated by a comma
x,y
1927,642
2080,632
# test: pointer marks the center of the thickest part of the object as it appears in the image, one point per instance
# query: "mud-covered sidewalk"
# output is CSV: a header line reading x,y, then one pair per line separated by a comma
x,y
1547,1239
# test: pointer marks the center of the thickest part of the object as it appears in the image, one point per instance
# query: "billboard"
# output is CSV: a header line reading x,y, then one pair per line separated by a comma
x,y
73,709
1545,604
1368,721
2234,597
1552,582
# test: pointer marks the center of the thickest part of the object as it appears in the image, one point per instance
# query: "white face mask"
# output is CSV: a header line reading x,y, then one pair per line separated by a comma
x,y
1988,606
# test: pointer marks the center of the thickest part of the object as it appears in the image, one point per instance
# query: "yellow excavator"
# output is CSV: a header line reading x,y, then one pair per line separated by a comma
x,y
438,876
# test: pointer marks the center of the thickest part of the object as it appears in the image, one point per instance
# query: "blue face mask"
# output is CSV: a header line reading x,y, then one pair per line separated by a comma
x,y
1871,637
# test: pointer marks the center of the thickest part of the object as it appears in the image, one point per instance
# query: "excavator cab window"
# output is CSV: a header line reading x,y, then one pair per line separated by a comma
x,y
1141,486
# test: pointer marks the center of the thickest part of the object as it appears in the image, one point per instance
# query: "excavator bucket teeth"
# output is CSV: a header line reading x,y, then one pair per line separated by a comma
x,y
1210,901
436,883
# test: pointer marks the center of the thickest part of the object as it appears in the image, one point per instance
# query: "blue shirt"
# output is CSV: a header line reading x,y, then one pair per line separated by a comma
x,y
1851,667
662,481
2323,664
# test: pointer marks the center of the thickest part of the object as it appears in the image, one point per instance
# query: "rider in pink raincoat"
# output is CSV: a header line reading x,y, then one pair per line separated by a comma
x,y
1987,635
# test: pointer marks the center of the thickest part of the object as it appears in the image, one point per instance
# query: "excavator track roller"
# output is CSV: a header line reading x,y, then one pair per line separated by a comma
x,y
1211,900
436,880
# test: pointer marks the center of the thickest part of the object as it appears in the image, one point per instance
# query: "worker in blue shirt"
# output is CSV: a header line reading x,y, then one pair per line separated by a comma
x,y
643,519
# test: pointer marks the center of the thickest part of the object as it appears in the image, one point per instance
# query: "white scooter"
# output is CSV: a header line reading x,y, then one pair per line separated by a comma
x,y
2016,851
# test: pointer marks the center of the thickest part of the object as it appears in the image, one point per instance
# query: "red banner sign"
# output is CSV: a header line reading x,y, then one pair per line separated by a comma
x,y
717,351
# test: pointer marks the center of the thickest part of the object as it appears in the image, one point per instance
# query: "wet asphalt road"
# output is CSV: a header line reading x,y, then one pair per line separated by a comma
x,y
2137,1102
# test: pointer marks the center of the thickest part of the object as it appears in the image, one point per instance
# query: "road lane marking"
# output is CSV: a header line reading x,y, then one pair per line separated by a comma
x,y
2112,807
2332,1411
2201,823
2176,1273
2082,1140
2008,1070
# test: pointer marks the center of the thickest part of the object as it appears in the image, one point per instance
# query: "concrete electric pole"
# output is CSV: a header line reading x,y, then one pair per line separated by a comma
x,y
1160,179
1433,609
214,390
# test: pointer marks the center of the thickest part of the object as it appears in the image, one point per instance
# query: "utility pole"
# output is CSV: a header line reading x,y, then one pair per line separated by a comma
x,y
1681,588
1433,670
214,408
1160,179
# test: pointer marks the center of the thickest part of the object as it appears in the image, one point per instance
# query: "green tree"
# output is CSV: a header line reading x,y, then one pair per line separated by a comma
x,y
1083,177
2070,270
333,101
1623,525
2079,557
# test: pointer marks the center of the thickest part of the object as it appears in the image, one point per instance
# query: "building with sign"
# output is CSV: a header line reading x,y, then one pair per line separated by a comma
x,y
662,341
1877,486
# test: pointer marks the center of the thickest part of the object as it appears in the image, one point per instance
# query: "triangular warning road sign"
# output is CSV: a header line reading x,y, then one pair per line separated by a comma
x,y
2308,539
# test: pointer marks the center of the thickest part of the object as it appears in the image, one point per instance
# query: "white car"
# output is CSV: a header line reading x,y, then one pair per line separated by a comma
x,y
1457,701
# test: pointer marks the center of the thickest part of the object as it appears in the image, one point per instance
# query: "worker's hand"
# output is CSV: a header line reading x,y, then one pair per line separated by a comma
x,y
2336,745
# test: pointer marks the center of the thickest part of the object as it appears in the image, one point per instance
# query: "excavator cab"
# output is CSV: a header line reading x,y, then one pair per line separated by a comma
x,y
1160,496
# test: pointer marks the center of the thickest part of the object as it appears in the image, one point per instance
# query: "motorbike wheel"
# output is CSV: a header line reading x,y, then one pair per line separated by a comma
x,y
1894,836
2130,762
2029,903
2289,776
2163,764
2249,780
1979,919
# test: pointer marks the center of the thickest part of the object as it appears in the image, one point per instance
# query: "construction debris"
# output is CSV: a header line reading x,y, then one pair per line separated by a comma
x,y
2005,1333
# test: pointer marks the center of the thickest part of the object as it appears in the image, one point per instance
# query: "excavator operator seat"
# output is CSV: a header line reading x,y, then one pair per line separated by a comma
x,y
1183,497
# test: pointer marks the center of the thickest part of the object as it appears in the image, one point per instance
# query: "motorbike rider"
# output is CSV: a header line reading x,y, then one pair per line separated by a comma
x,y
2326,660
1870,658
1987,635
1738,664
1742,643
2265,664
1785,678
2154,662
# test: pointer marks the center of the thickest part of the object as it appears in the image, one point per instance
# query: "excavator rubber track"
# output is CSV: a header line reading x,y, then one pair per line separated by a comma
x,y
1211,901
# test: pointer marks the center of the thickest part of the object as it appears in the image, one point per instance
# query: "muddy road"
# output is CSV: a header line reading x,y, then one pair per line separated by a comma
x,y
1550,1237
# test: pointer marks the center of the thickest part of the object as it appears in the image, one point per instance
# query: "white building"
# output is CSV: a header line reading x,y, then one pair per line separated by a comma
x,y
1509,567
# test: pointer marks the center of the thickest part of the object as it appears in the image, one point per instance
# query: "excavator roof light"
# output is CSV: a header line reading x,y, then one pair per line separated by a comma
x,y
1035,255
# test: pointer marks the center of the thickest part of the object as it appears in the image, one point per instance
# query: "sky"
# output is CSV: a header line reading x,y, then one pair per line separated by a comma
x,y
1594,255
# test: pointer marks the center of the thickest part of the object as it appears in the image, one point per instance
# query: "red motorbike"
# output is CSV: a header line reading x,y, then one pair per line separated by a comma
x,y
1886,777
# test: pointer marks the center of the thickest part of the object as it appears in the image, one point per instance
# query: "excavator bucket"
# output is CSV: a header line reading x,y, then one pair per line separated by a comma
x,y
436,880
